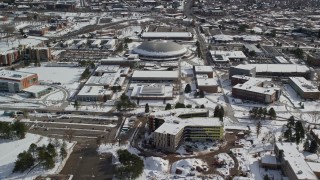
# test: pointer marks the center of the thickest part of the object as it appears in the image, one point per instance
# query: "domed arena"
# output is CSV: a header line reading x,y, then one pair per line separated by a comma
x,y
160,51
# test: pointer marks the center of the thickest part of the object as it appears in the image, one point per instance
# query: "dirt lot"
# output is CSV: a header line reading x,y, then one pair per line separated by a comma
x,y
86,163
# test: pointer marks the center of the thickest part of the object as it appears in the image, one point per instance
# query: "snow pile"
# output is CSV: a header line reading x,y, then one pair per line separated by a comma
x,y
226,161
188,166
156,168
9,150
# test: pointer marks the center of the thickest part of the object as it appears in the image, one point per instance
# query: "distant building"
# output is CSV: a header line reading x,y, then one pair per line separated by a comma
x,y
252,47
171,131
155,76
226,56
204,79
254,89
167,36
292,162
16,81
271,70
94,93
37,91
152,92
304,88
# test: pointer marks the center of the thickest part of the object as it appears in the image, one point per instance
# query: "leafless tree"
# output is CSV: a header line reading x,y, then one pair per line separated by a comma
x,y
69,134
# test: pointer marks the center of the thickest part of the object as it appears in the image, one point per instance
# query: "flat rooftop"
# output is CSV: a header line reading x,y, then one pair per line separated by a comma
x,y
280,68
203,69
303,84
166,34
230,54
14,75
93,91
36,88
155,74
253,85
296,160
178,112
207,82
174,125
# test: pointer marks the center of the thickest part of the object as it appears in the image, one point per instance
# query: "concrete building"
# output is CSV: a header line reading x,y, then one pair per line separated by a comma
x,y
271,70
167,35
93,93
15,81
152,92
252,47
130,61
174,130
227,56
304,88
37,91
292,162
160,51
254,89
207,70
155,76
204,79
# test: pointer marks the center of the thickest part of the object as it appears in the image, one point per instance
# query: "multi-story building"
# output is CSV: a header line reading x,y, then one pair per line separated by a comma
x,y
254,89
175,130
292,162
272,70
204,79
15,81
304,88
169,131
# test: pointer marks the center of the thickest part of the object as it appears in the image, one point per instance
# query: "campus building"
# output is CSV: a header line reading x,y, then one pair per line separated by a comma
x,y
15,81
170,131
204,79
304,88
167,35
160,51
94,93
292,162
155,76
272,70
254,89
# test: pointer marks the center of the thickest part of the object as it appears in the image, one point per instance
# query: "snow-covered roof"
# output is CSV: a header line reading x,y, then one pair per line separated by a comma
x,y
281,68
253,85
303,84
166,35
160,49
152,91
93,91
296,160
203,69
36,89
230,54
14,75
174,125
155,74
178,112
207,82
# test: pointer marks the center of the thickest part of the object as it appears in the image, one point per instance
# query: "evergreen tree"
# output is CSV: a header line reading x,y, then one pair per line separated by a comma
x,y
179,105
187,88
288,134
306,145
189,106
20,129
51,150
290,122
202,106
258,128
272,113
313,146
168,106
260,112
264,112
201,94
266,177
216,111
32,149
76,105
221,114
24,162
298,137
146,108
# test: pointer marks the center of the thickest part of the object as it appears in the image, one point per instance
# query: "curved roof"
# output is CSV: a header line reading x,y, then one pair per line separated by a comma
x,y
160,49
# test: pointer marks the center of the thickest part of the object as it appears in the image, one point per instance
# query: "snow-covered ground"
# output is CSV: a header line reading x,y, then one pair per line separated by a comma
x,y
188,166
64,75
9,150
